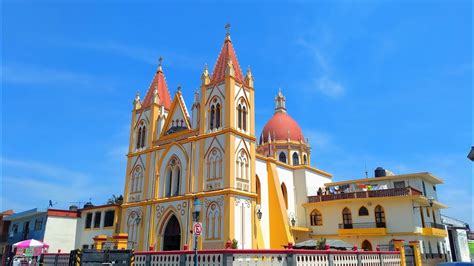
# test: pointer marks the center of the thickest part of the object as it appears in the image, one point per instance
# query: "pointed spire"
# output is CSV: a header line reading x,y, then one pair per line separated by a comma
x,y
280,105
249,78
221,66
205,76
136,101
159,84
196,96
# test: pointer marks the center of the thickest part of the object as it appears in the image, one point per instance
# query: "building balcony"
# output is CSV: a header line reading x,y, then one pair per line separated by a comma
x,y
362,229
391,192
434,229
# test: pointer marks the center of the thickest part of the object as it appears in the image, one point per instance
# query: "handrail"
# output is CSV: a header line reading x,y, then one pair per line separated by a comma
x,y
391,192
362,225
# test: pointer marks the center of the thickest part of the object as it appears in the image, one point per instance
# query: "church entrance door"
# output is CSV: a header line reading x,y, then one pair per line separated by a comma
x,y
172,235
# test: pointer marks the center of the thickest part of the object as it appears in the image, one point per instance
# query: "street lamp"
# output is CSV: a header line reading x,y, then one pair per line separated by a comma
x,y
259,214
196,214
293,221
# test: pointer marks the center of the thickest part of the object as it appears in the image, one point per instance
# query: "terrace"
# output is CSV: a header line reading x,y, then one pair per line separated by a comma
x,y
391,192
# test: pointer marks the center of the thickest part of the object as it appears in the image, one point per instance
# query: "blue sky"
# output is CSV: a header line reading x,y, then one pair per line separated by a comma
x,y
373,83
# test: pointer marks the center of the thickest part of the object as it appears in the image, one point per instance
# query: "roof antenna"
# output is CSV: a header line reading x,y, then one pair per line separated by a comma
x,y
366,173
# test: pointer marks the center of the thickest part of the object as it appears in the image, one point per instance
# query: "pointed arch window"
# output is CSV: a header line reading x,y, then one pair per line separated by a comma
x,y
316,218
379,217
211,121
143,137
244,118
139,137
242,171
285,194
363,211
218,115
136,179
282,157
213,221
296,159
347,218
239,116
305,159
173,178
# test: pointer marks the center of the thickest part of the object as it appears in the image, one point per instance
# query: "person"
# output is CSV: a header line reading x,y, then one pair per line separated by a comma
x,y
320,191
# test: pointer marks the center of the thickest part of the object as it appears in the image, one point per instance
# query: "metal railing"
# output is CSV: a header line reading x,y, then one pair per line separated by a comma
x,y
435,225
391,192
362,225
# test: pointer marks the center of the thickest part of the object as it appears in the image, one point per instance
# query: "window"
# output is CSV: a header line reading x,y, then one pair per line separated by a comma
x,y
88,220
211,122
38,224
316,218
242,171
379,217
305,159
139,137
285,194
424,188
15,228
85,246
109,218
296,159
173,177
347,218
218,115
244,118
97,219
141,134
143,137
136,180
434,188
239,116
366,245
399,184
282,157
363,211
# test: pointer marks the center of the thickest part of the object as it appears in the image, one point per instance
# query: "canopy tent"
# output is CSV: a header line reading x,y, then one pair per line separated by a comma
x,y
30,243
313,243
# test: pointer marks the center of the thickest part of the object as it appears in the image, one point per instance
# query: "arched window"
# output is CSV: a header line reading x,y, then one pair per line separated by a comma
x,y
143,137
218,115
379,217
296,159
257,188
239,116
316,218
139,137
366,245
347,218
244,118
173,177
211,121
285,194
242,171
363,211
305,159
282,157
136,180
213,221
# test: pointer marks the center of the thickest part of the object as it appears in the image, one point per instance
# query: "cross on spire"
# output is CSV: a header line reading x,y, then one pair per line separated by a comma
x,y
160,60
227,28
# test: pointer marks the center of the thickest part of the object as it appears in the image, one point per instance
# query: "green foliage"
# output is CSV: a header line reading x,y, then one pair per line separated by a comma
x,y
235,243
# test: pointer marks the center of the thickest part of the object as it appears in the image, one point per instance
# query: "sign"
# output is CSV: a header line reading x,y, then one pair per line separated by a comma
x,y
197,229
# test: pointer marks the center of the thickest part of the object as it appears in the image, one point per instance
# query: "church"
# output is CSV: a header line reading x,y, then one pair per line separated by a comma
x,y
251,185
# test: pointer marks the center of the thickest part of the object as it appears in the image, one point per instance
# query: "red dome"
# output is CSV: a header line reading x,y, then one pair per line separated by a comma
x,y
281,127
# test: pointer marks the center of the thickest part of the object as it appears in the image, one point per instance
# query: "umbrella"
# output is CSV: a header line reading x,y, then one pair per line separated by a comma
x,y
30,243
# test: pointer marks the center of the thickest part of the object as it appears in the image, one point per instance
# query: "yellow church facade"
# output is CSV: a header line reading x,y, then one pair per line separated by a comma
x,y
257,190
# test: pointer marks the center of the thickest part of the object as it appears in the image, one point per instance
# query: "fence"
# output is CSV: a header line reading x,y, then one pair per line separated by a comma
x,y
237,257
290,257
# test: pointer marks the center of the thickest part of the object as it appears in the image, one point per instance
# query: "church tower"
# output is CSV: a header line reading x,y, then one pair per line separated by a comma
x,y
228,149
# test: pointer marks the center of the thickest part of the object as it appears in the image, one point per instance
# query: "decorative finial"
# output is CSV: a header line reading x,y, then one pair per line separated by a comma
x,y
160,62
227,28
179,88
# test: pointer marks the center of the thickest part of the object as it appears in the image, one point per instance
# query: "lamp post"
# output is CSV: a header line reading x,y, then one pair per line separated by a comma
x,y
196,214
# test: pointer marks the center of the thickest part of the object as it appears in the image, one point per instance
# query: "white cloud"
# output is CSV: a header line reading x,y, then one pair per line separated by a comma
x,y
34,75
329,87
326,84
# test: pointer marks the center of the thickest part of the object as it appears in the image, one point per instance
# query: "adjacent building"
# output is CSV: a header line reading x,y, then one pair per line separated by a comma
x,y
55,227
96,221
457,238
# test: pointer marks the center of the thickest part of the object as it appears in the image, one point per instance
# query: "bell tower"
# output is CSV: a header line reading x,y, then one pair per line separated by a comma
x,y
228,150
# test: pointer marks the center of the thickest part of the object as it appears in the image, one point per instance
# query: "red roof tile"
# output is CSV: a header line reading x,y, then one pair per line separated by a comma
x,y
282,127
159,82
227,52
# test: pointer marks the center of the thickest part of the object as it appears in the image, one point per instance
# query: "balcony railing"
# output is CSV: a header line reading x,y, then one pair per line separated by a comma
x,y
435,225
362,225
391,192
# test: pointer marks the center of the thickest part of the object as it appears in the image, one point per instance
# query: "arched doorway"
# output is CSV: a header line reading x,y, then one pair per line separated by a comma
x,y
172,235
366,245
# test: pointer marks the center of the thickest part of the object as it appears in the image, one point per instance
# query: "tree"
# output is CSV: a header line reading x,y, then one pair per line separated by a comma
x,y
115,200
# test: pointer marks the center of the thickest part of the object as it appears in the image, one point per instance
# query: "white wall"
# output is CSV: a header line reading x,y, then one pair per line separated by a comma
x,y
60,233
